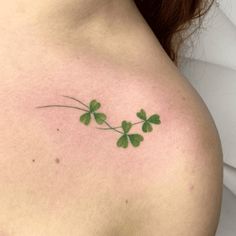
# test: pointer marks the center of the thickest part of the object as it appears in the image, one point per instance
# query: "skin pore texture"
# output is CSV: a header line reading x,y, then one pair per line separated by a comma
x,y
59,177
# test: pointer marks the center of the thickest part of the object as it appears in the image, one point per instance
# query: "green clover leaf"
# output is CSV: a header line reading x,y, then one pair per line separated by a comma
x,y
123,141
100,118
135,139
142,115
126,126
85,118
147,127
94,106
155,119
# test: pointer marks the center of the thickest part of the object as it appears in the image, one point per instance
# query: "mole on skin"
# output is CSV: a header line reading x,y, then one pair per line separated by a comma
x,y
57,160
191,188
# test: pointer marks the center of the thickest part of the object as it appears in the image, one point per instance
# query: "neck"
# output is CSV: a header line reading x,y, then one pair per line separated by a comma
x,y
72,21
67,15
82,8
113,28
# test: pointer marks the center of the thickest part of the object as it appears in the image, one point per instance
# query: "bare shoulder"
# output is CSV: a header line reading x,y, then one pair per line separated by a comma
x,y
186,175
147,145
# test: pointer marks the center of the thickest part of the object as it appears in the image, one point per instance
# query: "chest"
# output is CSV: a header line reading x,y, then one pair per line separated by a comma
x,y
59,175
62,177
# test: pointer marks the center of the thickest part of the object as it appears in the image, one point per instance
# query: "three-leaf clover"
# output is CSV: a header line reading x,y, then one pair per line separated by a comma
x,y
147,124
91,110
135,139
100,118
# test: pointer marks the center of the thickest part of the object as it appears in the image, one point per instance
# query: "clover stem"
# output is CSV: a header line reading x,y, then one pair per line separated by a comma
x,y
111,128
139,122
75,100
73,107
119,127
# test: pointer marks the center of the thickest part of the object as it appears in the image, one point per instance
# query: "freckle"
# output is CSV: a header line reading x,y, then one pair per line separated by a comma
x,y
58,129
191,188
33,160
183,98
57,160
126,201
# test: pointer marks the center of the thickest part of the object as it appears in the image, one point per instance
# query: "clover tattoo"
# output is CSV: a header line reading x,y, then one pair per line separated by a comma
x,y
91,112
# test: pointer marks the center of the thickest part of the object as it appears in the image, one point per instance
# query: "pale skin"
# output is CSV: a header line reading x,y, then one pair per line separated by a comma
x,y
59,177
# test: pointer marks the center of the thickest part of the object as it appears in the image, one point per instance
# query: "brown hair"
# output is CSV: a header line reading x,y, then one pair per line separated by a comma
x,y
169,18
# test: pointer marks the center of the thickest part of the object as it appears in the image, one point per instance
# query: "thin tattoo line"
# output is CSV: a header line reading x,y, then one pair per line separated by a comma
x,y
81,109
73,107
75,100
111,128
